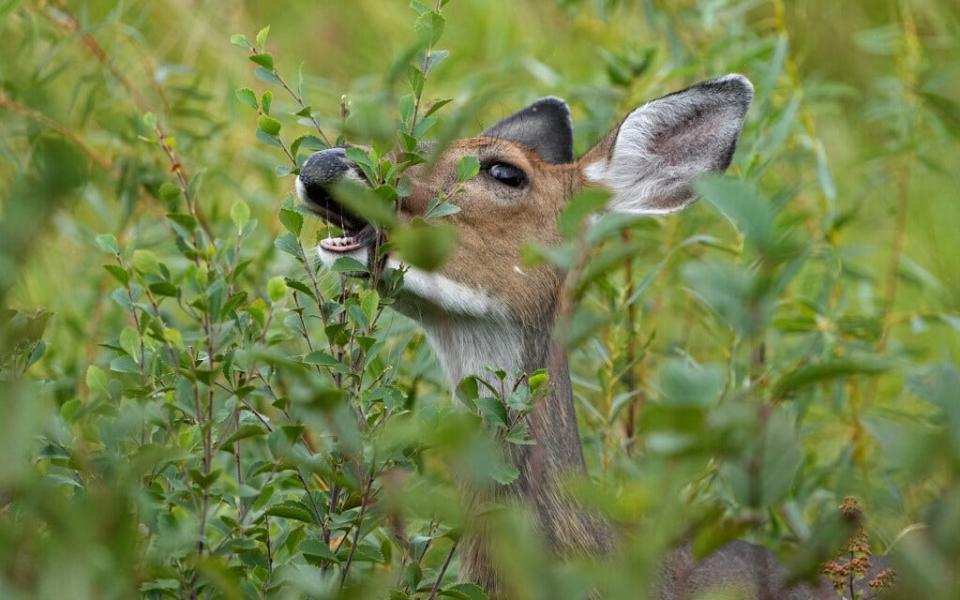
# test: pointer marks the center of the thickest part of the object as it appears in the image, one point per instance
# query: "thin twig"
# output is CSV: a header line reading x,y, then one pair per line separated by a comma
x,y
443,570
101,161
64,19
356,536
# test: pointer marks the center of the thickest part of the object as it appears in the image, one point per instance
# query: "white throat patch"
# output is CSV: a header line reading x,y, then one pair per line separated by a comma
x,y
475,331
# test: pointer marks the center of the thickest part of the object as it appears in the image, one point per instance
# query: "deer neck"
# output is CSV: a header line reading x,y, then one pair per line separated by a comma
x,y
473,346
468,346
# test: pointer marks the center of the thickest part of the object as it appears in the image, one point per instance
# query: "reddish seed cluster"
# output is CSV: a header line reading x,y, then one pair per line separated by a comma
x,y
854,561
884,580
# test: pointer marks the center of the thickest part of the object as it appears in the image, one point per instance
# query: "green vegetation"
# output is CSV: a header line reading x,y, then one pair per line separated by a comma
x,y
190,407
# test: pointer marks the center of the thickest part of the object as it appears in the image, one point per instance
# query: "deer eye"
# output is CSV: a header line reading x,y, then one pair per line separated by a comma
x,y
507,174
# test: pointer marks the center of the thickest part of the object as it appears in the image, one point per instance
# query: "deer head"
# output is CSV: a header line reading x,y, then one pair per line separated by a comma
x,y
648,163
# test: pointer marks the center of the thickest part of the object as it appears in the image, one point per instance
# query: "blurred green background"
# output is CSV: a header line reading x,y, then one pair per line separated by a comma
x,y
852,139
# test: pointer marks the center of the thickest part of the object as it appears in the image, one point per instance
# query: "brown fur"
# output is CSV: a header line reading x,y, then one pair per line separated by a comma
x,y
494,223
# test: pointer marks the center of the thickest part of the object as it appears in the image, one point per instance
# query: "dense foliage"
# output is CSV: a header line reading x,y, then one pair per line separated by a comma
x,y
190,406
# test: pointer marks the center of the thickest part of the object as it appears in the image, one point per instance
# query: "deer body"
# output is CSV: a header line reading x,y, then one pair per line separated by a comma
x,y
482,309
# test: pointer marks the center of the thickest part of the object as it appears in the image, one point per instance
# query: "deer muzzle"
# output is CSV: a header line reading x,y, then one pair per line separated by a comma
x,y
318,175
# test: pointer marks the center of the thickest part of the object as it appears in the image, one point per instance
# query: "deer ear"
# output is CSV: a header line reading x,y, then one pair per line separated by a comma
x,y
650,162
545,126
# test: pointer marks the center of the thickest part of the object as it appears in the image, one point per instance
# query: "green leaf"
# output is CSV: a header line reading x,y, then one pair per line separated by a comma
x,y
537,380
406,105
503,472
164,288
146,262
347,264
465,591
423,126
467,168
742,204
429,26
130,342
493,410
581,206
266,75
468,391
584,323
119,273
265,60
299,286
938,384
262,36
291,510
318,357
270,140
287,242
361,157
419,7
70,408
733,292
268,125
415,77
276,289
96,378
443,209
318,549
169,191
307,142
436,105
204,480
425,245
238,39
266,102
361,201
184,223
248,97
369,302
687,384
291,220
108,243
243,432
808,374
436,57
240,214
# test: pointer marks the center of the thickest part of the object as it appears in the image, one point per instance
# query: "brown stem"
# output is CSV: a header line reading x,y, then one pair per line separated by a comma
x,y
296,97
443,571
630,379
356,535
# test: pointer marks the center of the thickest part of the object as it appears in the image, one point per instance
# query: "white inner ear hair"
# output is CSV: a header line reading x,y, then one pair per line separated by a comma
x,y
663,145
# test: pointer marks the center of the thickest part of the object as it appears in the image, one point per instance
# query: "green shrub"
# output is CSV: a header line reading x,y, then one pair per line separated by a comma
x,y
191,407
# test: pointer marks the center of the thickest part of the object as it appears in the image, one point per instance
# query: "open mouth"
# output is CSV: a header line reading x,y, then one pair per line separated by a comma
x,y
350,241
318,174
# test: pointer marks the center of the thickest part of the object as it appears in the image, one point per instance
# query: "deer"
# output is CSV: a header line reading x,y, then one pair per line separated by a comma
x,y
482,309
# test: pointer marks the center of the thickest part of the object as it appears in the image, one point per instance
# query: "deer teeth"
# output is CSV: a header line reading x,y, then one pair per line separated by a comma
x,y
340,244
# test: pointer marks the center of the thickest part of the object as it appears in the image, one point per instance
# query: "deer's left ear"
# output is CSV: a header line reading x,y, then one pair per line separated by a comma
x,y
544,126
650,161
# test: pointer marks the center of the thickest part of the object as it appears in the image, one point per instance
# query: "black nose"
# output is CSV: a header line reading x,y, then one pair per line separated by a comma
x,y
323,169
318,175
